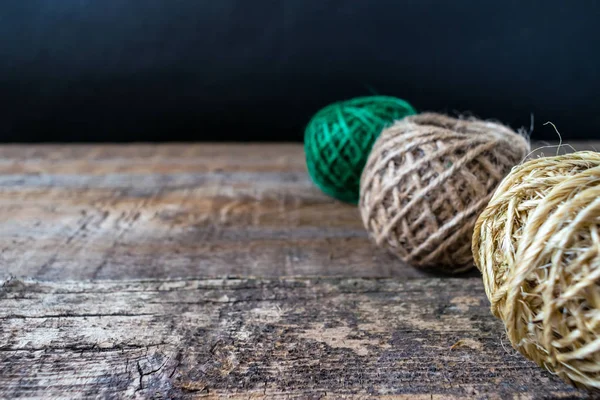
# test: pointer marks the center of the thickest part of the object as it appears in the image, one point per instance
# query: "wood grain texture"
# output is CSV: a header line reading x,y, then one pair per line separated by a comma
x,y
123,264
179,210
143,211
260,338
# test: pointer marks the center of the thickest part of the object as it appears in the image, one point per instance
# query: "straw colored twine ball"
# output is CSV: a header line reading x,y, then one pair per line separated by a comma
x,y
427,179
339,137
537,245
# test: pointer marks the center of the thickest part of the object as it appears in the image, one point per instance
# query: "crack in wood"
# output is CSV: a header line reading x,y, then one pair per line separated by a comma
x,y
81,349
149,373
72,315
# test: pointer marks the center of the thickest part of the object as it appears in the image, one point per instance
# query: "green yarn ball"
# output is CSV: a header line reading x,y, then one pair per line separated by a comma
x,y
338,139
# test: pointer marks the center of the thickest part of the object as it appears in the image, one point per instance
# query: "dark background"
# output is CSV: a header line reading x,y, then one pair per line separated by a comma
x,y
145,70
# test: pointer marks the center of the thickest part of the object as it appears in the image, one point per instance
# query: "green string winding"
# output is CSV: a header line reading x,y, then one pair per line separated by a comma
x,y
338,139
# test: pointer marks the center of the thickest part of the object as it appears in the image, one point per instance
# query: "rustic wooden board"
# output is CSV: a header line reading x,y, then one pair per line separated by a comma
x,y
118,212
119,258
256,338
170,211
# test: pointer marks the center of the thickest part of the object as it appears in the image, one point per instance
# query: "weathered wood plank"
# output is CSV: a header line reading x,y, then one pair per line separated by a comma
x,y
175,211
253,338
144,211
160,211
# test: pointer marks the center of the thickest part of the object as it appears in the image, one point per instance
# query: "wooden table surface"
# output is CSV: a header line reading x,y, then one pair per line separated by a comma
x,y
211,271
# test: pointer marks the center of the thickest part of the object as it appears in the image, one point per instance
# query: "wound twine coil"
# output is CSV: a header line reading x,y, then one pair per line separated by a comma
x,y
427,179
537,245
339,137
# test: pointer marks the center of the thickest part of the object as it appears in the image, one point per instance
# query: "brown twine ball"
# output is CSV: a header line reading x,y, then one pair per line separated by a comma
x,y
537,245
427,179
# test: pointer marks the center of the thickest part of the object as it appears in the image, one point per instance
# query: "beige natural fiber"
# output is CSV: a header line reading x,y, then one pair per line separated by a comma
x,y
537,245
427,179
